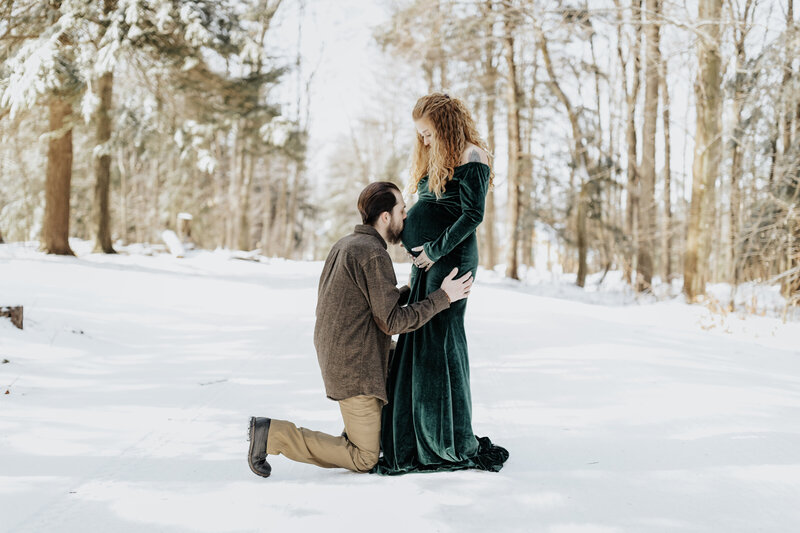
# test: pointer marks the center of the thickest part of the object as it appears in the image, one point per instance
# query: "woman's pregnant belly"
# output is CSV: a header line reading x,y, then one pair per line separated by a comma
x,y
425,222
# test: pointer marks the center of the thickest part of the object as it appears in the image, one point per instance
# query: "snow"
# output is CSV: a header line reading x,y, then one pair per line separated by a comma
x,y
173,242
132,383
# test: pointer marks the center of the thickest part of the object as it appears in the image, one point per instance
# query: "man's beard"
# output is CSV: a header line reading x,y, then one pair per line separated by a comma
x,y
394,232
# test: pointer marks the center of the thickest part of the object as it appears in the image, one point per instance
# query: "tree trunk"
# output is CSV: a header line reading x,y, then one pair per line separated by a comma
x,y
647,200
792,188
234,185
578,153
123,194
154,219
441,60
55,230
245,239
427,73
278,227
582,242
527,221
667,230
489,86
266,218
291,212
514,149
154,222
102,166
786,89
773,154
632,189
708,103
791,284
490,213
102,155
740,35
526,170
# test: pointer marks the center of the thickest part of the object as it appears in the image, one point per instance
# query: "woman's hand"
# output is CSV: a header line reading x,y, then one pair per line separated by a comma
x,y
422,260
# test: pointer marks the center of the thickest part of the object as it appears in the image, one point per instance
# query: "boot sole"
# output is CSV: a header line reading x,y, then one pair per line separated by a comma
x,y
250,437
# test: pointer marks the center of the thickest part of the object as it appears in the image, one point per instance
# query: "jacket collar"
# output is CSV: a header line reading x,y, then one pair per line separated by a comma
x,y
369,230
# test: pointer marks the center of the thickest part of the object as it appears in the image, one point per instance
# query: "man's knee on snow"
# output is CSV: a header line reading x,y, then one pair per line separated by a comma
x,y
364,461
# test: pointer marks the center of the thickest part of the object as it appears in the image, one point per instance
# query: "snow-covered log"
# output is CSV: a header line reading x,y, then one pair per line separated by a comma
x,y
173,243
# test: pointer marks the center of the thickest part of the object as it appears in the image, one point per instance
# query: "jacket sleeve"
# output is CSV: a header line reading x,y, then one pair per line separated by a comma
x,y
384,299
473,188
405,292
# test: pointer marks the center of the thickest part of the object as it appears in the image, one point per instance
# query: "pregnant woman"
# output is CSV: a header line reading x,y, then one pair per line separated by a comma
x,y
427,425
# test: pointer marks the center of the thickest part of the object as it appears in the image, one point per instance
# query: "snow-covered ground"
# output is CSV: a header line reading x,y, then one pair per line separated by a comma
x,y
130,388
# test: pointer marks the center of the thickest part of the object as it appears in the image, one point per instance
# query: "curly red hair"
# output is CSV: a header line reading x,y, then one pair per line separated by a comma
x,y
454,128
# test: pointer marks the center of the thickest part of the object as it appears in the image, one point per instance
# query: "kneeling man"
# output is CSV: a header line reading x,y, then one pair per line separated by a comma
x,y
359,308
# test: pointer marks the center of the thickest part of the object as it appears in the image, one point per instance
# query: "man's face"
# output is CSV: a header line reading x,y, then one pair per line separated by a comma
x,y
397,216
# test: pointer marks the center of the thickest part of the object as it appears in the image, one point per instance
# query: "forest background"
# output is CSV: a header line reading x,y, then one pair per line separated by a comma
x,y
658,138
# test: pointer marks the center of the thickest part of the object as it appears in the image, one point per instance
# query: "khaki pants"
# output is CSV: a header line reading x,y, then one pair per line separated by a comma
x,y
358,451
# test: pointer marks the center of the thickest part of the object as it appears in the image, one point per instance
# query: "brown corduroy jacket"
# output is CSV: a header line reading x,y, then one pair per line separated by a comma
x,y
359,308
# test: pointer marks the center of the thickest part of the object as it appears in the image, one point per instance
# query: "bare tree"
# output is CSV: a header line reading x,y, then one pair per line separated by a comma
x,y
667,229
647,207
742,26
707,150
631,97
489,83
514,143
578,153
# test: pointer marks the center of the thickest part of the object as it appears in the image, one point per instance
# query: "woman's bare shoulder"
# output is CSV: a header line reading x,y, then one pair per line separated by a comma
x,y
474,154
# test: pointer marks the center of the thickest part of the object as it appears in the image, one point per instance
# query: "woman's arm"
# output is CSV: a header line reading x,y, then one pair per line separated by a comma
x,y
473,188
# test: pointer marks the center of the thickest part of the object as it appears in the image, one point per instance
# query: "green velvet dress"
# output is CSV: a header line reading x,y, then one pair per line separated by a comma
x,y
427,425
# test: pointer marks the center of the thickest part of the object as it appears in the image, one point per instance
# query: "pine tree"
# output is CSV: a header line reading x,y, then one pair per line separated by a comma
x,y
61,51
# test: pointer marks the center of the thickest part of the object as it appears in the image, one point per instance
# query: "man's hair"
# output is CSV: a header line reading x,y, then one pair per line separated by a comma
x,y
376,198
